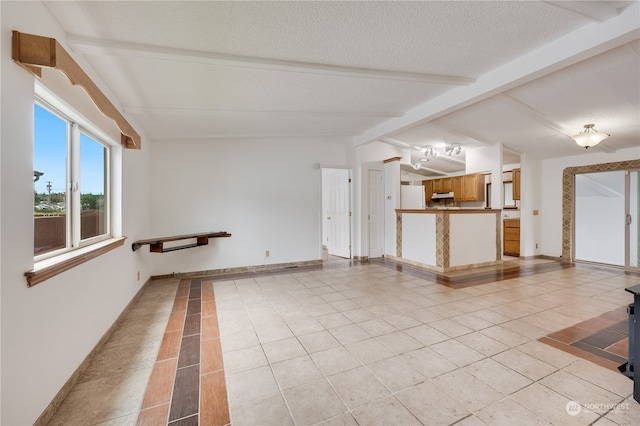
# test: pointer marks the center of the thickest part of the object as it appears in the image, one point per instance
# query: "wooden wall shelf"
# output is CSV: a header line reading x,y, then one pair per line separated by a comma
x,y
156,245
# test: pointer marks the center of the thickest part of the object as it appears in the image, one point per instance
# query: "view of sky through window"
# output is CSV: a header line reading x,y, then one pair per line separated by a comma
x,y
50,156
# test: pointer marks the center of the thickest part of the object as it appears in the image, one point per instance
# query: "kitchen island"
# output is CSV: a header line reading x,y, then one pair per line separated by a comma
x,y
448,239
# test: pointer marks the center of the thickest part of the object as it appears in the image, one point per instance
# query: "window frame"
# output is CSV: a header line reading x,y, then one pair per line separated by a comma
x,y
48,265
78,124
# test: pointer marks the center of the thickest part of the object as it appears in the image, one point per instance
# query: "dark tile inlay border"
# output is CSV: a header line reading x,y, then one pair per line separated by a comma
x,y
189,351
194,306
189,421
602,339
597,339
186,399
599,352
191,325
187,386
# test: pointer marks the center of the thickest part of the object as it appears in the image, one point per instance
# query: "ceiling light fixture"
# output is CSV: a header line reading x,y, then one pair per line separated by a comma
x,y
449,149
418,165
454,148
430,150
589,136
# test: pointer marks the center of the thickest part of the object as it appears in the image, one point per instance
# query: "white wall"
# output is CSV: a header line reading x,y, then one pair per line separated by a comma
x,y
530,193
551,196
47,331
487,159
266,193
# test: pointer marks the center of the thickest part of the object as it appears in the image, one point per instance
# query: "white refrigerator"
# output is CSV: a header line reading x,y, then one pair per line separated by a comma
x,y
412,197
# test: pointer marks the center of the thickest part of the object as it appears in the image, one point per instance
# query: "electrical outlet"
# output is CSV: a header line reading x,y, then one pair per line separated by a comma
x,y
267,253
536,245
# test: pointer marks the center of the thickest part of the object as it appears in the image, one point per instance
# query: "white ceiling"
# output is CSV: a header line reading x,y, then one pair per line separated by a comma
x,y
526,74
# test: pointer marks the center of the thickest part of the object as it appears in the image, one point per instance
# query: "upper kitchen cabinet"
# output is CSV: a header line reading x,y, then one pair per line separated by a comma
x,y
458,188
428,190
443,185
473,187
468,187
515,188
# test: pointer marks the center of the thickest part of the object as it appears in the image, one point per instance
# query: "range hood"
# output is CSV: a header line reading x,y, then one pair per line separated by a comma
x,y
442,195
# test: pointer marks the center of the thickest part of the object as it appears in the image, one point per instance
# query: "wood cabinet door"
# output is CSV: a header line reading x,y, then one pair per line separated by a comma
x,y
447,184
474,187
511,237
515,187
437,185
458,188
428,190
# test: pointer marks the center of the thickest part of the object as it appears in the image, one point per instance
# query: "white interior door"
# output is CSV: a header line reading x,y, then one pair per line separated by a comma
x,y
337,194
376,214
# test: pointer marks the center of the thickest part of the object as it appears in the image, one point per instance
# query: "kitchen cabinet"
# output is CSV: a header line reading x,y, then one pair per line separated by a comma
x,y
442,185
464,188
458,188
515,188
473,187
447,184
468,187
511,237
428,190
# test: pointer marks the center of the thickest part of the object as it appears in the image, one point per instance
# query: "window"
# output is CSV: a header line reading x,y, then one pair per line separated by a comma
x,y
71,183
507,189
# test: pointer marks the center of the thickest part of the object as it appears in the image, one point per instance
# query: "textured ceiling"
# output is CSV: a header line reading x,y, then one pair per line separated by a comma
x,y
522,73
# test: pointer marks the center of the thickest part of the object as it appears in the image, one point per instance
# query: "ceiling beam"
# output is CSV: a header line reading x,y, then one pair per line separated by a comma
x,y
534,113
455,131
451,160
248,136
597,11
95,46
213,112
586,42
439,172
396,142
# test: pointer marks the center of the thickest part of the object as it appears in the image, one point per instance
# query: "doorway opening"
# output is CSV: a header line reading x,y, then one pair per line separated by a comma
x,y
627,218
336,214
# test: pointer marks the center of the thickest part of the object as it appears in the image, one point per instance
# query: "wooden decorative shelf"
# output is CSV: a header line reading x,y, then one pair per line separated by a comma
x,y
156,245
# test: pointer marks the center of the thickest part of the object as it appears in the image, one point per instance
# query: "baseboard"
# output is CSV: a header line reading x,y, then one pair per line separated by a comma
x,y
53,406
242,270
543,256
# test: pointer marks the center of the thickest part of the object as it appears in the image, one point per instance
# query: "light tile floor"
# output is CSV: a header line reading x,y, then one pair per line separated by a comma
x,y
111,390
370,345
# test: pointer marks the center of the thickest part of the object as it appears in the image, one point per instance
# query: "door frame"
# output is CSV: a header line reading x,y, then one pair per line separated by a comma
x,y
568,201
323,227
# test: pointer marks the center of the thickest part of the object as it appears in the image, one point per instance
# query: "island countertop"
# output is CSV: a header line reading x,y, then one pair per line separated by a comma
x,y
447,210
448,239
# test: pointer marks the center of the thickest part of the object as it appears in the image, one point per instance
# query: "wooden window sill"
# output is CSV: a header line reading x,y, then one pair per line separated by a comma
x,y
51,267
